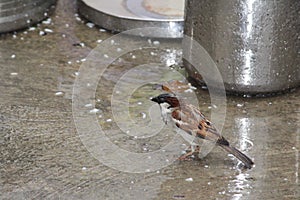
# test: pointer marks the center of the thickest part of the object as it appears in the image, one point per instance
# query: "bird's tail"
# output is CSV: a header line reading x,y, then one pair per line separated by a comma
x,y
242,157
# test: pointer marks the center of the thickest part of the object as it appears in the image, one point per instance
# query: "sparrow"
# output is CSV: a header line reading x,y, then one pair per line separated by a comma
x,y
193,124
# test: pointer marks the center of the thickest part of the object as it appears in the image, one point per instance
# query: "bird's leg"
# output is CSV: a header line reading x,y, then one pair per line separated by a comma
x,y
189,152
185,157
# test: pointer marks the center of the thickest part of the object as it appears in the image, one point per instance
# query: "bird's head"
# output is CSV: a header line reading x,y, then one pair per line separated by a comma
x,y
170,99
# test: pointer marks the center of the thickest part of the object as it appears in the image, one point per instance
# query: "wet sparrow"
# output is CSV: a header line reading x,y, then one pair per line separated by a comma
x,y
188,118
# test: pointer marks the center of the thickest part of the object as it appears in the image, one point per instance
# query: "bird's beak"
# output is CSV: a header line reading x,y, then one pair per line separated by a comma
x,y
155,99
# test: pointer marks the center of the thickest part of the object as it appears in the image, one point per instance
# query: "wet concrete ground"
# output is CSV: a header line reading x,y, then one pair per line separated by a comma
x,y
43,156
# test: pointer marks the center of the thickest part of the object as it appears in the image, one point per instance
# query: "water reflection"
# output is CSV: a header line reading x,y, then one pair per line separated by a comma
x,y
243,126
240,184
276,156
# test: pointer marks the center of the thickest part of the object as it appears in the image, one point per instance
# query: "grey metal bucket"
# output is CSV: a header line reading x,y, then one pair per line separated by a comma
x,y
254,43
17,14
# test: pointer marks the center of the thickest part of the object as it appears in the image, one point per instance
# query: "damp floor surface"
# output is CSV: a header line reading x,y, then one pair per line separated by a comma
x,y
46,154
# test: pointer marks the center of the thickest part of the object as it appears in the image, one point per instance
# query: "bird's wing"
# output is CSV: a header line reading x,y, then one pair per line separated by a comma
x,y
207,131
191,120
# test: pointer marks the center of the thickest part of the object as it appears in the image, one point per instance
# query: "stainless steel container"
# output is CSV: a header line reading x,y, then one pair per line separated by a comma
x,y
254,43
123,15
17,14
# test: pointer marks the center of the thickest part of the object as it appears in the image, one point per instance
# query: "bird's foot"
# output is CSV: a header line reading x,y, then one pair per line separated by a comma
x,y
186,157
189,155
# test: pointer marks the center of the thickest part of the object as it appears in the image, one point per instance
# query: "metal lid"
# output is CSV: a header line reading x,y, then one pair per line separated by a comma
x,y
122,15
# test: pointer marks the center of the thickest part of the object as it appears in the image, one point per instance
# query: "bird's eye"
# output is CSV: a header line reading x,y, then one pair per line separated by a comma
x,y
208,123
